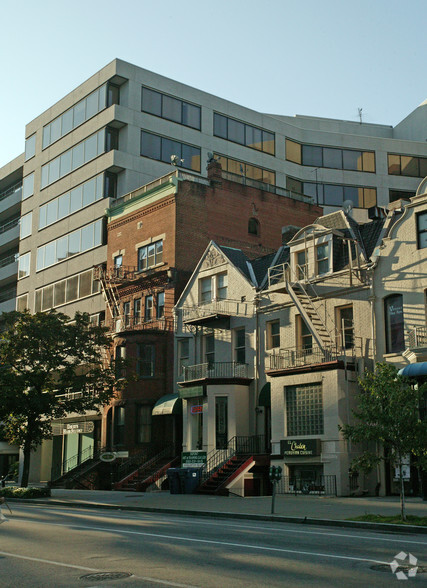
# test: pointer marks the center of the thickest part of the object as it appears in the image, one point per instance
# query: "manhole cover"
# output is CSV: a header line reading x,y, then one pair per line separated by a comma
x,y
103,576
401,568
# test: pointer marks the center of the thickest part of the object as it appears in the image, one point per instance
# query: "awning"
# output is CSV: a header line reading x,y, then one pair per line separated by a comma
x,y
168,404
264,398
414,370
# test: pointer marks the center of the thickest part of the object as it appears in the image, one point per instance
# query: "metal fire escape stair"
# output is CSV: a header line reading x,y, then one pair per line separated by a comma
x,y
109,290
304,303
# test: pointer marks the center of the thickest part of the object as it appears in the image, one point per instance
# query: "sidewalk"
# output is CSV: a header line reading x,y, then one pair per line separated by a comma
x,y
309,509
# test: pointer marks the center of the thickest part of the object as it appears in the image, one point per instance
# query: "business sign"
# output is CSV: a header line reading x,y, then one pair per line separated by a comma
x,y
300,447
107,456
191,392
194,459
82,427
196,409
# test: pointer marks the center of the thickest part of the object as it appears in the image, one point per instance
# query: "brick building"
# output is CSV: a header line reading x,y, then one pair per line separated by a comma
x,y
156,236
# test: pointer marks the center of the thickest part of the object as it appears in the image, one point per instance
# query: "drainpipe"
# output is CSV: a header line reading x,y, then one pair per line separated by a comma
x,y
257,357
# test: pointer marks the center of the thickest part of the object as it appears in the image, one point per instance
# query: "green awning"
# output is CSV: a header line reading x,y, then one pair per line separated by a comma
x,y
264,398
168,404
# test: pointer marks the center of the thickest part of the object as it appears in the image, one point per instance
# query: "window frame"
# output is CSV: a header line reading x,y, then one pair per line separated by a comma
x,y
273,338
142,363
421,233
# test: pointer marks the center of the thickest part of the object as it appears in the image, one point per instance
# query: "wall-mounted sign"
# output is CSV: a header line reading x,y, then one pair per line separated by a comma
x,y
191,392
107,456
195,459
196,409
82,427
300,447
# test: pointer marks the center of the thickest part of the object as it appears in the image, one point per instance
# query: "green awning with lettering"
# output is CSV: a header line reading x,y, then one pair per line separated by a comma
x,y
191,392
264,398
168,404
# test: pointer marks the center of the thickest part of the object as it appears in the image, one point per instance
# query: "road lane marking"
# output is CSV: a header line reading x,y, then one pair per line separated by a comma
x,y
84,569
210,542
373,537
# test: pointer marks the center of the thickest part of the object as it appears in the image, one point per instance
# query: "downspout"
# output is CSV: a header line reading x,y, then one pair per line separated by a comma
x,y
257,359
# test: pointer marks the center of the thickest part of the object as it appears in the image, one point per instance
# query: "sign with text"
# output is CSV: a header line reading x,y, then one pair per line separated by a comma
x,y
82,427
300,447
197,409
195,459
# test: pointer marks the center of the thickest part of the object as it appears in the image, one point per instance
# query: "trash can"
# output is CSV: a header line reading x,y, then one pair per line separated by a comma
x,y
191,479
175,484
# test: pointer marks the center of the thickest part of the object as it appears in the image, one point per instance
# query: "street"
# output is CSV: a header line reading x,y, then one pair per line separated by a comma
x,y
48,546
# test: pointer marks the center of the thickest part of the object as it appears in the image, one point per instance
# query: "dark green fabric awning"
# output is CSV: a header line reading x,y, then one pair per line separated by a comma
x,y
264,398
168,404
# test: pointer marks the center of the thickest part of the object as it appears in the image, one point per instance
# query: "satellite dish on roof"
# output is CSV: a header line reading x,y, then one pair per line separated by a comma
x,y
347,206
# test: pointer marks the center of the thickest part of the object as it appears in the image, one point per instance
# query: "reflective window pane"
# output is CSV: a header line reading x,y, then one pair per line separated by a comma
x,y
97,236
170,148
64,205
78,156
150,145
254,137
353,193
191,115
72,288
171,109
85,284
59,293
46,136
369,197
28,184
67,122
368,161
30,147
333,194
75,199
87,238
394,164
50,254
74,243
332,158
268,143
91,149
89,192
236,131
312,156
54,167
91,105
55,129
191,157
65,163
409,166
62,248
52,211
79,113
352,160
293,151
220,125
151,102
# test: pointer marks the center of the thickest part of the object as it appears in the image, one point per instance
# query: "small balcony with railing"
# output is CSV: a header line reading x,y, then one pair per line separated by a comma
x,y
126,323
9,231
208,313
8,267
218,372
416,344
11,196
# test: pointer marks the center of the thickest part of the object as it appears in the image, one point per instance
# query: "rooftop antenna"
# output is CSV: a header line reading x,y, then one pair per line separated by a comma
x,y
347,206
359,110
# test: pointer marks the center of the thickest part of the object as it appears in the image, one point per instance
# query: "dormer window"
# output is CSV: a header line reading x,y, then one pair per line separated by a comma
x,y
322,259
301,265
205,290
221,286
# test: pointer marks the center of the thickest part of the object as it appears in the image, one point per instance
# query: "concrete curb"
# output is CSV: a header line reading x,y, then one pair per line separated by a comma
x,y
369,526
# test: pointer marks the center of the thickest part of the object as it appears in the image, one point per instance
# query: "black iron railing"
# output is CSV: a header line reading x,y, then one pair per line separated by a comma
x,y
224,369
144,457
75,465
325,485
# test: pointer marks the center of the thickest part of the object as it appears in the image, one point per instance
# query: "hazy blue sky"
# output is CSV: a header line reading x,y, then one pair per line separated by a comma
x,y
321,58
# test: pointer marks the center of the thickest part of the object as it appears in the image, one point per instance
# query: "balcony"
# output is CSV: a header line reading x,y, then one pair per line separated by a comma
x,y
130,323
300,358
14,193
225,370
9,231
416,340
206,313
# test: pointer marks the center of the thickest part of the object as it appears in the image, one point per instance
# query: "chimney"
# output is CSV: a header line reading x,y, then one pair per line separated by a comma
x,y
214,171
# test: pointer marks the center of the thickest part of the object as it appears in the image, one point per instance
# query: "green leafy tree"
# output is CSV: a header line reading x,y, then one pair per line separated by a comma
x,y
388,413
44,357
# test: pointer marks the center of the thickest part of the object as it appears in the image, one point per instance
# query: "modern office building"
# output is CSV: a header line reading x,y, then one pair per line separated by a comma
x,y
120,130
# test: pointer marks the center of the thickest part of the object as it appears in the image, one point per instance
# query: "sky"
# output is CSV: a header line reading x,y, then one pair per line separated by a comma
x,y
324,58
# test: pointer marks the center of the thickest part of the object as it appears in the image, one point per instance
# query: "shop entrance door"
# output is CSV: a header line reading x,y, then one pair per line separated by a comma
x,y
221,422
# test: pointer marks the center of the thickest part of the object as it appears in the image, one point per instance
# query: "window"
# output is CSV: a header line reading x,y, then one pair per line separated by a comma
x,y
126,313
171,108
301,265
160,310
148,309
24,265
22,303
119,426
183,355
304,335
30,147
330,157
25,225
71,244
120,357
394,195
273,334
150,255
394,323
162,149
221,286
145,360
143,423
68,203
422,230
82,111
205,290
253,226
244,134
28,186
322,259
346,326
239,346
334,194
247,170
407,165
304,410
118,261
68,290
209,347
137,311
95,145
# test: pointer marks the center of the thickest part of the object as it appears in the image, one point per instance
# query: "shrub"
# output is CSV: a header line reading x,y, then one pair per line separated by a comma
x,y
16,492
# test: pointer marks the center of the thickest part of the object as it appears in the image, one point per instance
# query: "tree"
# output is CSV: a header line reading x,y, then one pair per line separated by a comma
x,y
388,413
44,357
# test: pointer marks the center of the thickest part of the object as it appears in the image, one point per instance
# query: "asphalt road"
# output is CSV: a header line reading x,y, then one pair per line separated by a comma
x,y
57,546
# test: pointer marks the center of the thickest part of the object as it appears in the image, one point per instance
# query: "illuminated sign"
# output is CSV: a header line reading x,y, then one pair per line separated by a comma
x,y
196,409
300,447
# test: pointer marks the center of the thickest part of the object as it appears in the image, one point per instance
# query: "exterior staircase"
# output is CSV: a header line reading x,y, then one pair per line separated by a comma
x,y
79,476
218,482
142,470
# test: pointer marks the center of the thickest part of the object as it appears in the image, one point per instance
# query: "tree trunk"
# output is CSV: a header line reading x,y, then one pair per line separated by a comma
x,y
402,492
26,465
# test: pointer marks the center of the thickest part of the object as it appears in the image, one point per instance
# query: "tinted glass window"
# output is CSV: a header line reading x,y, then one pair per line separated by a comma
x,y
151,102
254,137
352,159
293,151
333,194
30,147
312,156
332,158
150,145
220,126
170,148
171,109
191,157
236,131
191,115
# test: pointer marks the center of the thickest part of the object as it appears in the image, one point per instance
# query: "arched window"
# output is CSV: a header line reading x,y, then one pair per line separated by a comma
x,y
253,226
394,324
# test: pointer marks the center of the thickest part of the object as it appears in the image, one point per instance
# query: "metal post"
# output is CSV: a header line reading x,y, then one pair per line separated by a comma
x,y
273,497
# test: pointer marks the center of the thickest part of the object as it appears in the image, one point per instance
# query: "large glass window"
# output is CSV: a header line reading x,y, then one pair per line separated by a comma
x,y
171,108
30,147
304,410
334,194
407,165
28,186
394,323
64,291
246,170
150,255
422,230
162,149
239,346
25,225
73,243
24,265
244,134
143,423
79,113
330,157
